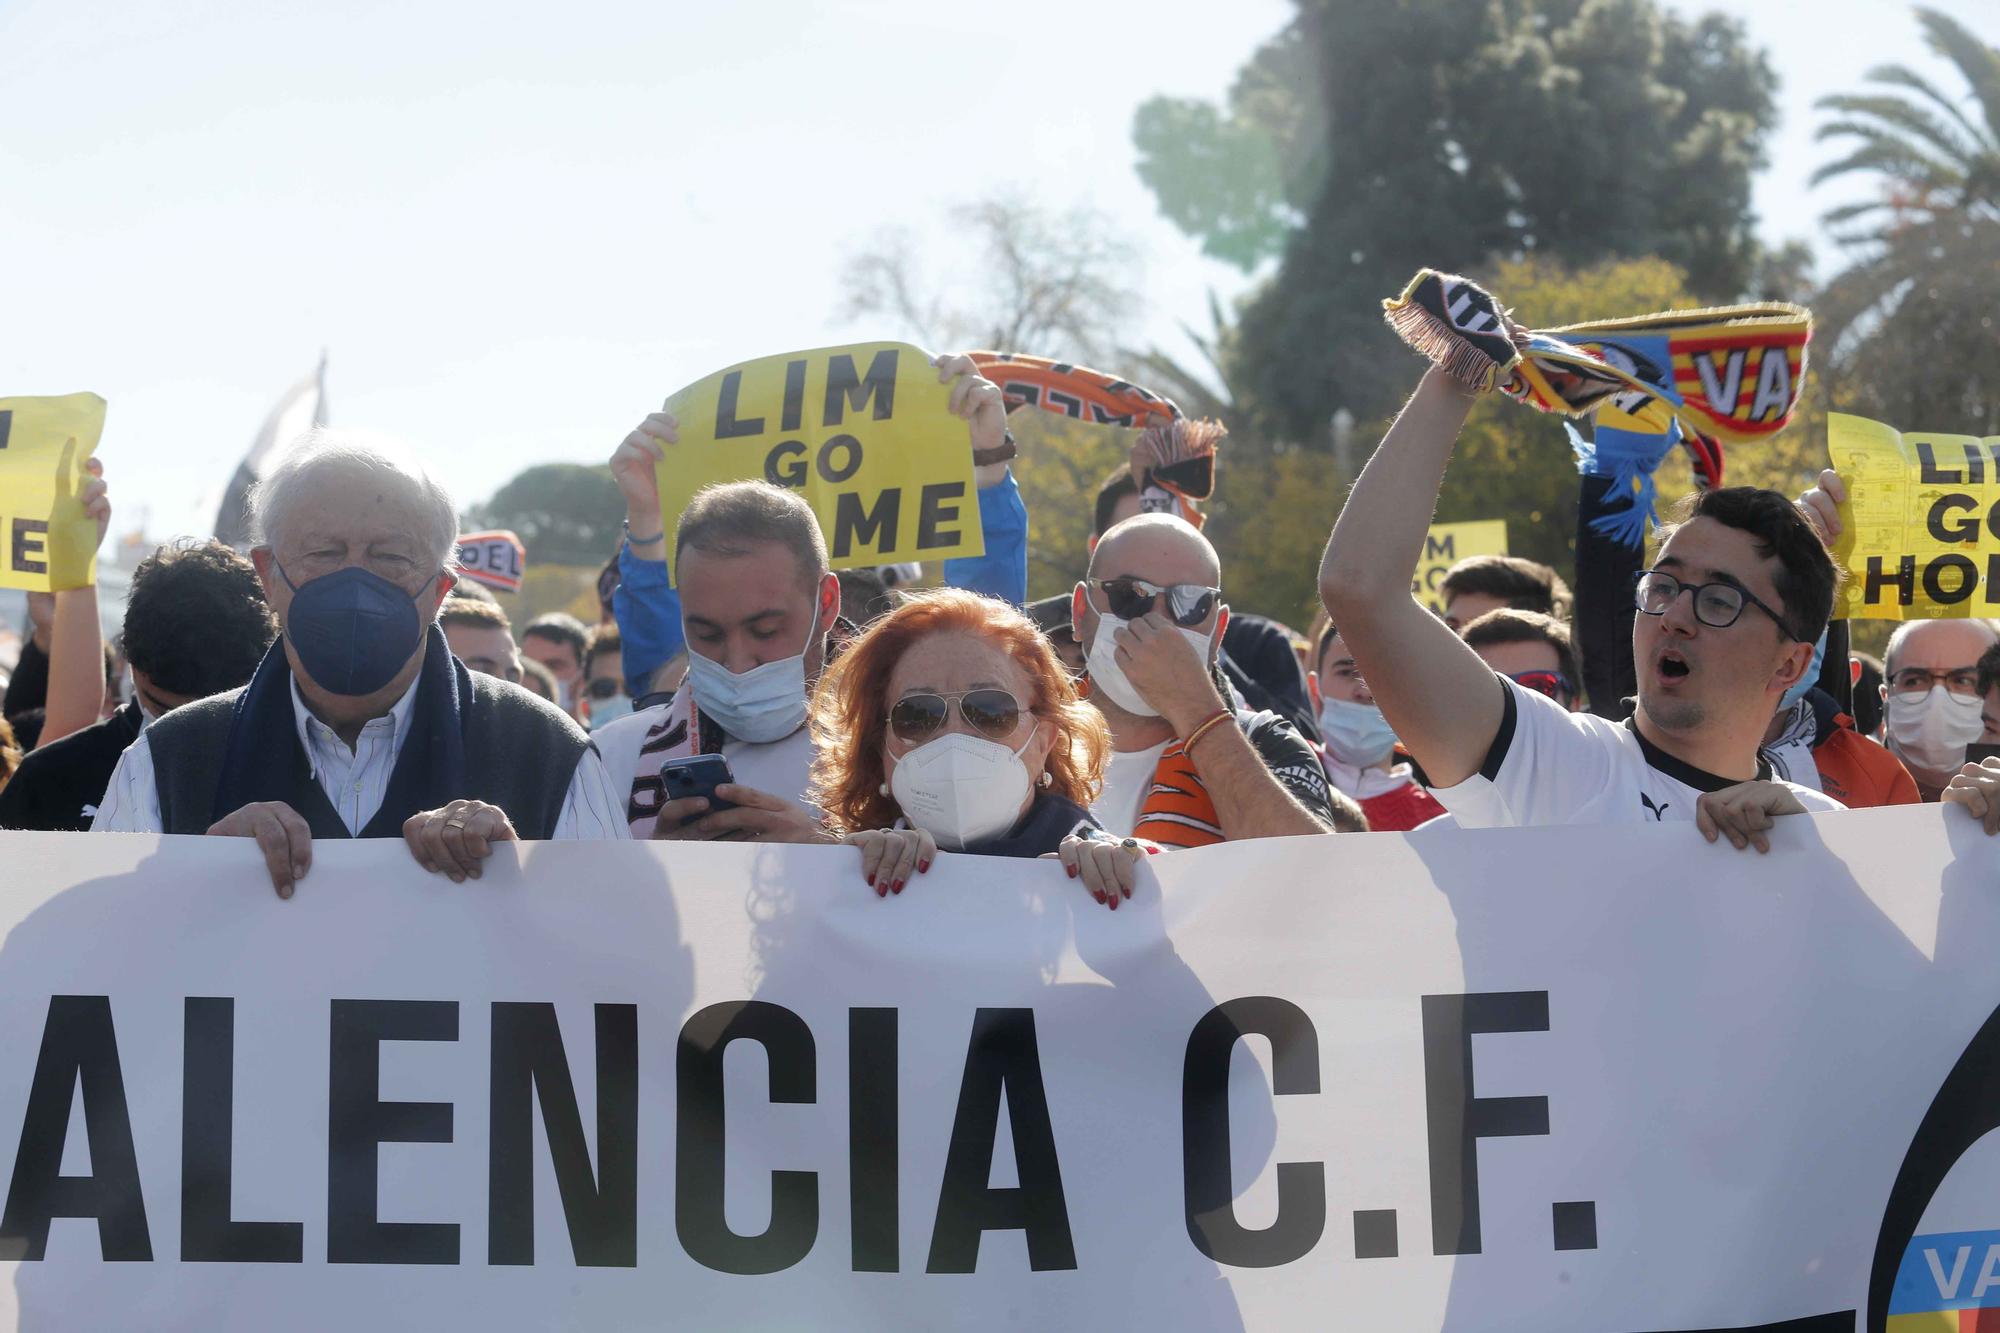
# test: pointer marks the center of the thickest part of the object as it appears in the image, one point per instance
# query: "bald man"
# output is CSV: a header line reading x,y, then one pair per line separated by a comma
x,y
1931,706
1188,768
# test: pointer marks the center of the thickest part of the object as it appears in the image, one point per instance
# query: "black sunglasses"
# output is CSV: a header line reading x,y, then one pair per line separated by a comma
x,y
992,713
1187,604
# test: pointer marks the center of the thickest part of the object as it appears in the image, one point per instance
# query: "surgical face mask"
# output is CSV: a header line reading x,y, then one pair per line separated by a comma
x,y
1101,665
1809,679
962,789
353,630
608,709
1932,730
1356,734
763,704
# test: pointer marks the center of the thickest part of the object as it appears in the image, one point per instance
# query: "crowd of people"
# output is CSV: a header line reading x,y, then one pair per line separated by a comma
x,y
340,679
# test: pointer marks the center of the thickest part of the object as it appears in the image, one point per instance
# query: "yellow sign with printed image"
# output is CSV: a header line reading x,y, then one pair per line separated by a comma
x,y
47,543
1920,535
862,432
1448,543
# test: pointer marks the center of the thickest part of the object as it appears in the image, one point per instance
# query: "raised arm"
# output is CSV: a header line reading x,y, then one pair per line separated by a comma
x,y
76,639
1444,703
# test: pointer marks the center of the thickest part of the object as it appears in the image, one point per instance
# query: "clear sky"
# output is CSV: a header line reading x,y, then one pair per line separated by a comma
x,y
517,228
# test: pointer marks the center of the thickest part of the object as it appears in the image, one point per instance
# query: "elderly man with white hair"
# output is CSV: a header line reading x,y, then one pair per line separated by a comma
x,y
360,722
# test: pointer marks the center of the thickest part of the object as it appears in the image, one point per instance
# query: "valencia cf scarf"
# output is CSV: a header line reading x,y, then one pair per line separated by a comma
x,y
1731,373
1173,461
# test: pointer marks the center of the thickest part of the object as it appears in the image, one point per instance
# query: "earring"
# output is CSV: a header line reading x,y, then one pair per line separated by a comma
x,y
1048,779
883,789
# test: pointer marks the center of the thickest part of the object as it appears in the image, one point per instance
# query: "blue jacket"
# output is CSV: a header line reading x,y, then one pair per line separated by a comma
x,y
648,609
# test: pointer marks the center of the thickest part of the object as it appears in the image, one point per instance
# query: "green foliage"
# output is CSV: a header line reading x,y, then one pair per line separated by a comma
x,y
566,513
1910,325
1061,466
1450,132
1240,178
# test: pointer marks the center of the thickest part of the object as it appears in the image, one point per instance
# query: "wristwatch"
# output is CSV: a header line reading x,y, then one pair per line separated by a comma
x,y
999,453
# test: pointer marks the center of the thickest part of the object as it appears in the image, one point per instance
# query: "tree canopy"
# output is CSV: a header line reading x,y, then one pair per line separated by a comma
x,y
1403,133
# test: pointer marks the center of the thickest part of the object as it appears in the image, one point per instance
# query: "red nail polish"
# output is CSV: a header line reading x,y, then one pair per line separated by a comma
x,y
870,879
1097,895
897,887
1114,902
1072,875
923,867
881,890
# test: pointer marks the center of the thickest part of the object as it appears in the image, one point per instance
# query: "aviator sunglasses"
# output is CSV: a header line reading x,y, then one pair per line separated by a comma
x,y
993,713
1552,683
1187,604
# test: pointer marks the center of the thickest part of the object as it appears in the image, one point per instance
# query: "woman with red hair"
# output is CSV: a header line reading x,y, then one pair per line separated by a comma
x,y
950,723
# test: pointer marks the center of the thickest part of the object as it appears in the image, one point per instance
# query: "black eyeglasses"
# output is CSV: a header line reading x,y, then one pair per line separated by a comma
x,y
1188,604
1918,680
1716,605
992,713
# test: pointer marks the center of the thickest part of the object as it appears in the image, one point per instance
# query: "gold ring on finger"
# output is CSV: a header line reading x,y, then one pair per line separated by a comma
x,y
454,822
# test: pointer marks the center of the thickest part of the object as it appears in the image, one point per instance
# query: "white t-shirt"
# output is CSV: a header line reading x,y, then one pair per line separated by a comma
x,y
1128,780
1551,766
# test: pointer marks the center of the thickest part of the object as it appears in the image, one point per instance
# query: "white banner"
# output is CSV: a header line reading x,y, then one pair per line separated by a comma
x,y
1592,1080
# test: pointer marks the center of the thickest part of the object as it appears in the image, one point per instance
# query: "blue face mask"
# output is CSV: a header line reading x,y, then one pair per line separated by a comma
x,y
353,630
1356,734
1809,679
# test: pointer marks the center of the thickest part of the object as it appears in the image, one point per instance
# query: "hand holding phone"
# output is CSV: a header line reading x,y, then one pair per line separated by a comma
x,y
698,775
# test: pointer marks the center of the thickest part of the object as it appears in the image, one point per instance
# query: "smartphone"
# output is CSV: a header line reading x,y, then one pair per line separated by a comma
x,y
1979,754
698,775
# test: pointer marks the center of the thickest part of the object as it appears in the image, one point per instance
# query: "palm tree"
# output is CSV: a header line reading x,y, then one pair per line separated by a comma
x,y
1927,247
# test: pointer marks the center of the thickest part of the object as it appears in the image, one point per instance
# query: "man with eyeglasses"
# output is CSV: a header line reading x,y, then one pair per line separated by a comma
x,y
1728,616
359,723
1187,768
1932,707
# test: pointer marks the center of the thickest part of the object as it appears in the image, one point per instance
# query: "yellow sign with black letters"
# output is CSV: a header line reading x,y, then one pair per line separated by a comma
x,y
862,432
47,543
1448,543
1920,534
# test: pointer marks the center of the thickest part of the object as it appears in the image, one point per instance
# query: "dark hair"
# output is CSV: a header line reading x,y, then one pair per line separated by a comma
x,y
1326,636
1110,491
561,627
864,596
1510,626
27,726
471,590
1989,668
196,621
731,518
605,641
1524,585
1806,575
474,615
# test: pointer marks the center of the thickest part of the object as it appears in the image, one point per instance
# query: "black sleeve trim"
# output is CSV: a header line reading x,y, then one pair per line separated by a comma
x,y
1503,739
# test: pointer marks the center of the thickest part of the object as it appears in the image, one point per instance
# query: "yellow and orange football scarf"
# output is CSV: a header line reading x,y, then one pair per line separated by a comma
x,y
1732,373
1174,455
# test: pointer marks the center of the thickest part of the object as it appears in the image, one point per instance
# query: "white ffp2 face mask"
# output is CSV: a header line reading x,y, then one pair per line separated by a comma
x,y
1932,730
1101,664
962,789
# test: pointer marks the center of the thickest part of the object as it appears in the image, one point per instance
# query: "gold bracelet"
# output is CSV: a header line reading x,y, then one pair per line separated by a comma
x,y
1220,716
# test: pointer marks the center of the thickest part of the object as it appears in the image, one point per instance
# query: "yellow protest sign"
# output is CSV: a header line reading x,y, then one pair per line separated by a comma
x,y
1920,537
46,542
1448,543
862,432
